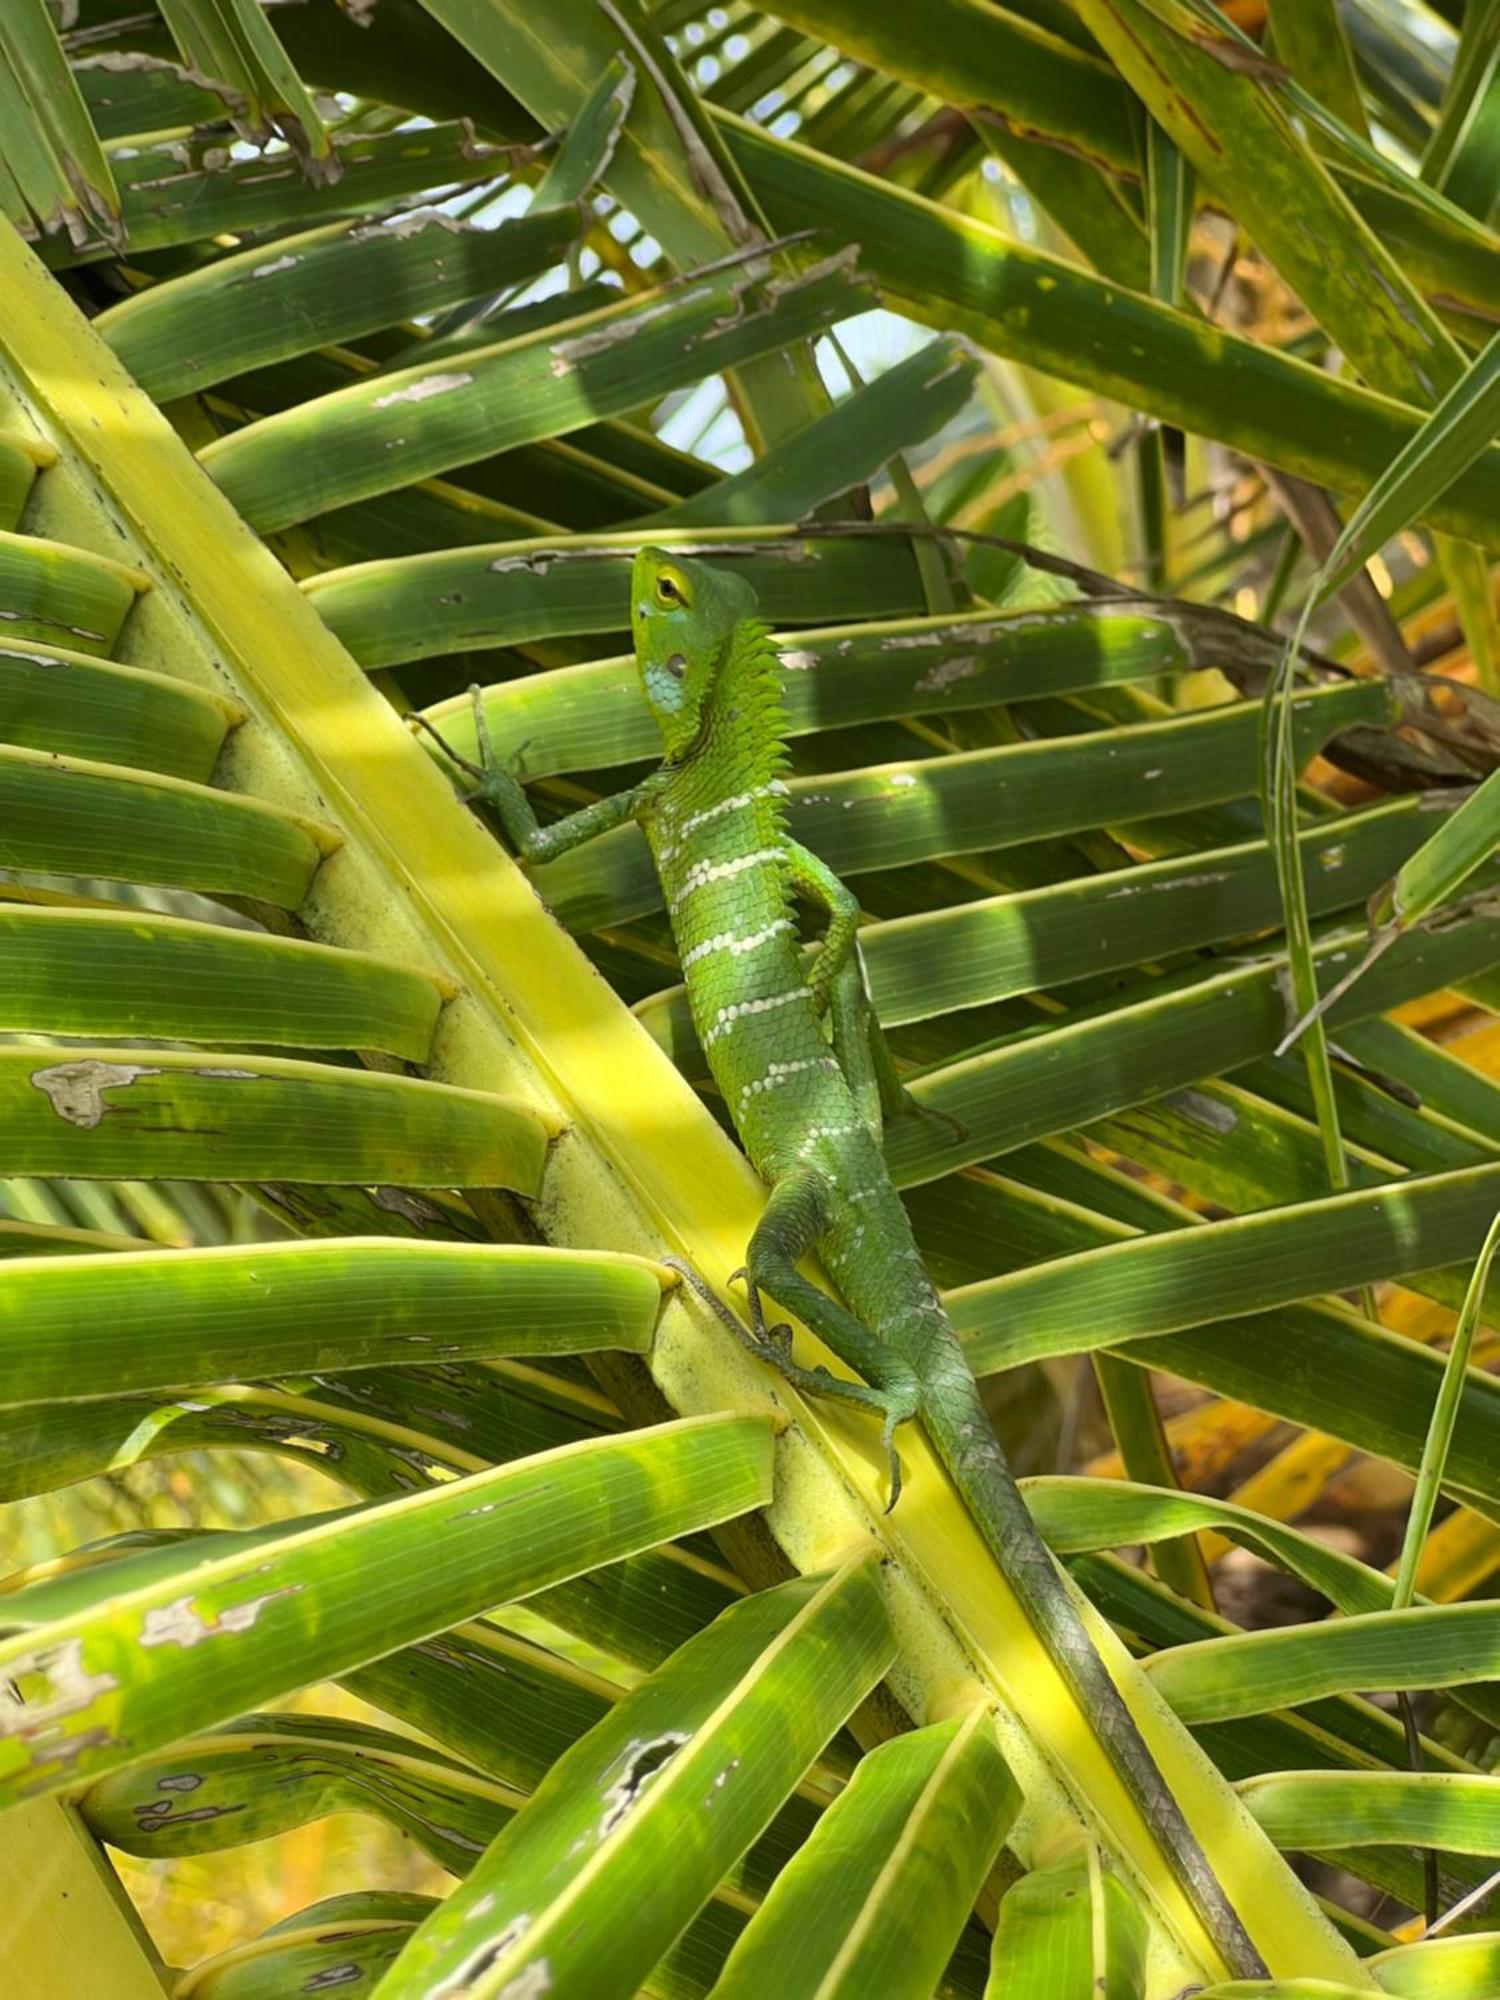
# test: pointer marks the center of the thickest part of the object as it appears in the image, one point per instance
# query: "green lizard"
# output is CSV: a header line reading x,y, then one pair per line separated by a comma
x,y
794,1050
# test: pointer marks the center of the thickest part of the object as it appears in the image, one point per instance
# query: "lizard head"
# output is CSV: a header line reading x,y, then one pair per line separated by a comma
x,y
683,615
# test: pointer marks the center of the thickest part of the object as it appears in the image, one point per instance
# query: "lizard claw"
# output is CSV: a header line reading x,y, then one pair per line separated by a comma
x,y
774,1339
491,777
893,1416
464,764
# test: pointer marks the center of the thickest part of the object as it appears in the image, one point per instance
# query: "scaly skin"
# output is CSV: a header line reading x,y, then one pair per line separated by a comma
x,y
790,1048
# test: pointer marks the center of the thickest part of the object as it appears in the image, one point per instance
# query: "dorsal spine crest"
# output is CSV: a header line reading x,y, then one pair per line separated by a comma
x,y
748,704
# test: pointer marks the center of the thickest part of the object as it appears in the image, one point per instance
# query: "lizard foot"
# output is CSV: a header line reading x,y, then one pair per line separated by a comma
x,y
773,1345
896,1406
490,776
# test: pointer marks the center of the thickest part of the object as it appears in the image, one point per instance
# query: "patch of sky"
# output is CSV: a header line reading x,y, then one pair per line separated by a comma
x,y
702,420
874,341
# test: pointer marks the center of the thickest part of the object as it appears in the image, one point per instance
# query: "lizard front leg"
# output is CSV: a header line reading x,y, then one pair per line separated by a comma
x,y
863,1055
813,878
496,786
837,979
839,986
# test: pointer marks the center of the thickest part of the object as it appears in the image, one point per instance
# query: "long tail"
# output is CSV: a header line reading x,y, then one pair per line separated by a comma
x,y
964,1439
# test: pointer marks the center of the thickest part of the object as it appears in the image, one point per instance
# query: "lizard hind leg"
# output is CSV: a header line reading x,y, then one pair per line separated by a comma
x,y
796,1215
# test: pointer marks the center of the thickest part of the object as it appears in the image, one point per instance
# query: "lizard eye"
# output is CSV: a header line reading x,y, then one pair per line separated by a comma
x,y
676,666
667,591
